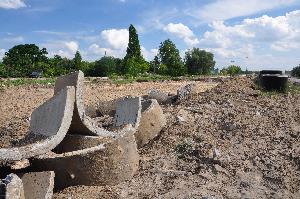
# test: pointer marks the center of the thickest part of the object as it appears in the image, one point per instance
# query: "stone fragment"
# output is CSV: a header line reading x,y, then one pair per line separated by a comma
x,y
161,97
12,187
38,185
185,91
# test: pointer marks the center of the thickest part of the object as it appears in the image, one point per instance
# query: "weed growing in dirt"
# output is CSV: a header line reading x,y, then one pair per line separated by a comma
x,y
184,149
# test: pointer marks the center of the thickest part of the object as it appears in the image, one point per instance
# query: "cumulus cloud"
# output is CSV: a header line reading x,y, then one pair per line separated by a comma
x,y
12,4
116,38
2,53
227,9
149,54
255,37
183,32
61,47
72,46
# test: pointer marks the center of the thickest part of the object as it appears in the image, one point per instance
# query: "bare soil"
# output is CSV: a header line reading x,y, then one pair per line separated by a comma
x,y
230,141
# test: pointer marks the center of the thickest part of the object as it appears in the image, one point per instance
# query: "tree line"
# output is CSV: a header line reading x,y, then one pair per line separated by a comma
x,y
22,60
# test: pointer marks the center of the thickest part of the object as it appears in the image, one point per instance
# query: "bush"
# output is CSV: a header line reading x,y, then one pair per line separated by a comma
x,y
231,70
296,71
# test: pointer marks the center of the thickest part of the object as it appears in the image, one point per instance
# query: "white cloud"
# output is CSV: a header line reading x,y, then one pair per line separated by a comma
x,y
2,53
148,54
116,38
182,32
61,47
72,46
12,4
15,40
227,9
262,37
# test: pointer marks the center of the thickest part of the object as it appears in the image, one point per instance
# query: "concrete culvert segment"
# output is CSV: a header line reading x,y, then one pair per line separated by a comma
x,y
92,160
48,126
151,123
81,123
273,80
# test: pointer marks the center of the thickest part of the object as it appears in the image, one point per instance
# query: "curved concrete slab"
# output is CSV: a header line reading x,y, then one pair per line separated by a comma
x,y
48,126
151,123
81,123
92,160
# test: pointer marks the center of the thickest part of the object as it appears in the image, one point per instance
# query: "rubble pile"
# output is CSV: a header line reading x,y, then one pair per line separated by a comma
x,y
230,142
233,141
67,143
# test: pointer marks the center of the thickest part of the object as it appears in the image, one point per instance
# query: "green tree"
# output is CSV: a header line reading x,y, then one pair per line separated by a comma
x,y
231,70
296,71
199,62
106,66
3,70
170,57
134,48
133,62
58,66
22,59
77,61
154,65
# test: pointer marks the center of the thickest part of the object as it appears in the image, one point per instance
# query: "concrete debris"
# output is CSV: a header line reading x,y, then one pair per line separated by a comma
x,y
88,155
81,124
152,122
38,185
92,160
12,187
128,111
48,126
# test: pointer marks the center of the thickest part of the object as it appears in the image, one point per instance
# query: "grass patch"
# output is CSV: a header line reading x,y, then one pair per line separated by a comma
x,y
26,81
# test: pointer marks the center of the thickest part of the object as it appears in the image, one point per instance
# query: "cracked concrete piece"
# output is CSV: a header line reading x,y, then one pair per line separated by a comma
x,y
128,111
81,123
92,160
38,185
13,187
49,124
151,123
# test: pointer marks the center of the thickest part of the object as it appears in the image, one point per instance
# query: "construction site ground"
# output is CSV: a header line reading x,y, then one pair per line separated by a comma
x,y
228,140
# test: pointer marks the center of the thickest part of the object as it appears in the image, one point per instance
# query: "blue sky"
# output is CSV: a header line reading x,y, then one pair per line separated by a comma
x,y
255,34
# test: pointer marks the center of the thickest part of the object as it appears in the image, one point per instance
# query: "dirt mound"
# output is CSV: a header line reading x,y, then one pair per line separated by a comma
x,y
233,142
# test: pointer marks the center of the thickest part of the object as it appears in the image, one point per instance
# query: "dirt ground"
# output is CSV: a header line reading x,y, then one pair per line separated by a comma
x,y
231,141
17,103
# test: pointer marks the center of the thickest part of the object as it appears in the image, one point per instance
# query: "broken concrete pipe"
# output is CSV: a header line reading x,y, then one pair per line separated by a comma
x,y
48,126
92,160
